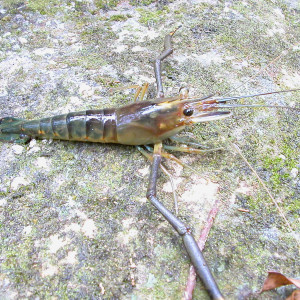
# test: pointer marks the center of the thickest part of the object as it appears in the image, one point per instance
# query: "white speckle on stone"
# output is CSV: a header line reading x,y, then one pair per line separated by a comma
x,y
3,201
60,25
145,171
134,73
56,243
70,258
127,223
58,181
232,199
275,30
211,2
151,34
240,65
13,63
44,51
279,13
200,192
34,150
16,47
136,30
176,167
290,80
228,57
38,243
55,41
73,227
138,49
27,229
167,187
77,47
245,63
205,59
49,270
120,48
89,228
81,214
73,38
17,149
51,62
22,40
71,202
151,281
17,182
211,57
143,200
32,143
125,237
5,282
74,101
140,79
296,47
3,91
244,189
131,71
86,90
282,157
109,70
43,162
294,172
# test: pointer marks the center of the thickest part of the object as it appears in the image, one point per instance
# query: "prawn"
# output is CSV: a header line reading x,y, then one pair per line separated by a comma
x,y
140,123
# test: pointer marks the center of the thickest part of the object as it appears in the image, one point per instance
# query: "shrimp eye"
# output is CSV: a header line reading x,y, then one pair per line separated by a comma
x,y
188,112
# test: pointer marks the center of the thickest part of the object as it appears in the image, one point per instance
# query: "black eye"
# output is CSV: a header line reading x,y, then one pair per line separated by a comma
x,y
188,112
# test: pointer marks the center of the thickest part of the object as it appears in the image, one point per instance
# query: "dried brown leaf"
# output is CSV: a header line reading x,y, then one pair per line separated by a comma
x,y
294,296
276,279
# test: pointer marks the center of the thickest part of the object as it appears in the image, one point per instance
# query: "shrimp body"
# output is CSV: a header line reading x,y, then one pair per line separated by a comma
x,y
140,123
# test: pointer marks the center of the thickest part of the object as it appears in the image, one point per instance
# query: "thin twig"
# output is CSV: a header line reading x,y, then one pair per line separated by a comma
x,y
261,182
280,211
191,282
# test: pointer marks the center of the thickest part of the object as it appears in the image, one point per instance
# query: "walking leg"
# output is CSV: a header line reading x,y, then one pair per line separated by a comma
x,y
191,246
157,64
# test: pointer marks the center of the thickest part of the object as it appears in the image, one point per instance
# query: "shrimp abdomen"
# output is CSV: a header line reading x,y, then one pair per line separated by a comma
x,y
88,126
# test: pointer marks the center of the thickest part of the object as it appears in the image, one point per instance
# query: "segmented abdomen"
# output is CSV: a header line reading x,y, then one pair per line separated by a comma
x,y
89,126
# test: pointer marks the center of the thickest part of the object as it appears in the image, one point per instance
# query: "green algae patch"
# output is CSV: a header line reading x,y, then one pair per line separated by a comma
x,y
45,7
141,2
87,59
148,16
106,4
118,18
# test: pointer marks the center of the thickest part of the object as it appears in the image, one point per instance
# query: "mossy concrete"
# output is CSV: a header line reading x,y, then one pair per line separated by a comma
x,y
75,223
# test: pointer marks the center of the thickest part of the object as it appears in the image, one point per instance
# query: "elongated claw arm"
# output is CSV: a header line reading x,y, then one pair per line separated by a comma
x,y
191,246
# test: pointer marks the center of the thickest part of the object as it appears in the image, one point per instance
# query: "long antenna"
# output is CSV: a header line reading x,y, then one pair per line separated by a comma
x,y
255,105
254,95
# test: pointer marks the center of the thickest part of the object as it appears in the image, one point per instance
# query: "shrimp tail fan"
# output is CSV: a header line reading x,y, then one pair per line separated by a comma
x,y
10,131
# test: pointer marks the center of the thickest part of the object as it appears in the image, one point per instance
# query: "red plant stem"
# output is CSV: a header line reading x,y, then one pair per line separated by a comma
x,y
191,282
